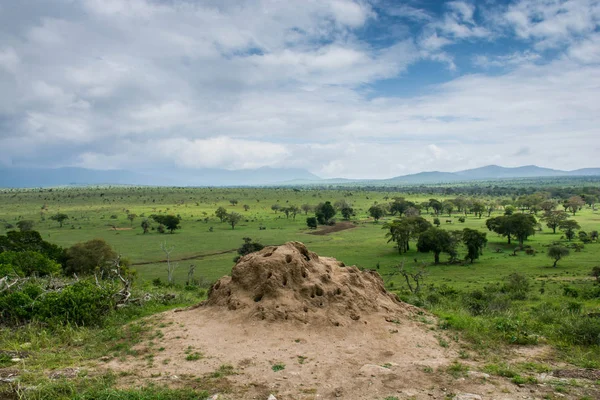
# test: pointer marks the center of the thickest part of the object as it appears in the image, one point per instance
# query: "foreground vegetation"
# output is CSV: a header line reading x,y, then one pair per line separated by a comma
x,y
107,256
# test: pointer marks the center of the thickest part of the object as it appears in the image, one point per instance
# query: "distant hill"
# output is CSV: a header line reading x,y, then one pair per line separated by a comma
x,y
34,177
266,176
490,172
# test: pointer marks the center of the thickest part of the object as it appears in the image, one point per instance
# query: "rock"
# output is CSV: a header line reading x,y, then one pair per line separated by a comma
x,y
467,396
215,396
271,397
338,392
67,373
477,374
374,370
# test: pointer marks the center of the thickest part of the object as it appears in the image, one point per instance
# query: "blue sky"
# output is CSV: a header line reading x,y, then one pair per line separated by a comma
x,y
343,88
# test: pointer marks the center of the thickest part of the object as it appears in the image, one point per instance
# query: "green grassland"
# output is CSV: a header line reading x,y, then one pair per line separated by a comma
x,y
554,310
95,212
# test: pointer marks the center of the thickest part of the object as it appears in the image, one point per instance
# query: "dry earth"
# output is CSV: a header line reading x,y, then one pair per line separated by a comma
x,y
295,325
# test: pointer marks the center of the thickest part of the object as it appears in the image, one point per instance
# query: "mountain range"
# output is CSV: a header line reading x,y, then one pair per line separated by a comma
x,y
72,176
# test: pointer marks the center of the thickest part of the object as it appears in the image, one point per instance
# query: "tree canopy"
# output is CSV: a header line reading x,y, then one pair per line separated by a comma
x,y
438,241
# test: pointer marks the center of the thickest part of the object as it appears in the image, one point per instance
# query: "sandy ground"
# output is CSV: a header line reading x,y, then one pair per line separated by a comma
x,y
295,325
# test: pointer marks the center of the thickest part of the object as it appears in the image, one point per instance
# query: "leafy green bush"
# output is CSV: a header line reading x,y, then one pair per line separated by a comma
x,y
517,286
82,303
27,263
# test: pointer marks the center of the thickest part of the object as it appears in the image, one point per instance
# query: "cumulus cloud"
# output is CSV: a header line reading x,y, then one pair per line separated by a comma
x,y
140,83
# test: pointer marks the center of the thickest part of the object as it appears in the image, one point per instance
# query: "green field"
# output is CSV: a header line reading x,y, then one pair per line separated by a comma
x,y
96,212
478,305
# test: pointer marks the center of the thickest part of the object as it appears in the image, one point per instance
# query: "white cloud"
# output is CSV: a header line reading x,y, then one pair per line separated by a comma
x,y
9,60
269,83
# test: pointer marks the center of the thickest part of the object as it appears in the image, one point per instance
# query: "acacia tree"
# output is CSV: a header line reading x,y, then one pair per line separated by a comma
x,y
145,226
324,212
171,222
233,219
575,203
436,205
306,208
60,218
347,211
557,252
517,225
554,219
403,230
475,241
376,211
131,217
438,241
569,227
221,213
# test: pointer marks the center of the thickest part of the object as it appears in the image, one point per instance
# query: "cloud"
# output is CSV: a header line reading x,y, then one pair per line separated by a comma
x,y
140,83
506,60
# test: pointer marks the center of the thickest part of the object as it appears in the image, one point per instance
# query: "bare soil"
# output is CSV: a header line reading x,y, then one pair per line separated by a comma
x,y
299,326
339,226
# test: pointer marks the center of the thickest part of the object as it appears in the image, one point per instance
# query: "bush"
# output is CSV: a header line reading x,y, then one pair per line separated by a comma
x,y
27,263
84,258
517,286
82,303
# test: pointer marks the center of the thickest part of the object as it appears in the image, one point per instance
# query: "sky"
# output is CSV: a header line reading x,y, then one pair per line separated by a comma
x,y
342,88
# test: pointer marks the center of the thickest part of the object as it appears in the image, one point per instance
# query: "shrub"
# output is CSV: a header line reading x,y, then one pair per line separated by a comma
x,y
517,286
83,303
84,258
27,263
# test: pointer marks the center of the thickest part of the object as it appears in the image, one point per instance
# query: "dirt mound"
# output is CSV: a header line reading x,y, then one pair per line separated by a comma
x,y
289,282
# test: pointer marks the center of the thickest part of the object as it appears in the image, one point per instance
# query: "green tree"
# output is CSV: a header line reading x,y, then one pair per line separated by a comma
x,y
171,222
233,219
233,202
221,213
25,225
575,203
478,208
31,241
448,206
311,222
475,242
87,257
275,207
436,205
554,218
324,212
519,225
131,217
27,263
556,252
145,226
347,211
402,230
248,247
436,222
60,218
376,211
569,227
438,241
306,208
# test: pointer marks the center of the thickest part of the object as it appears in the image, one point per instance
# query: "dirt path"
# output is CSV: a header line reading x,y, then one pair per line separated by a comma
x,y
194,257
339,226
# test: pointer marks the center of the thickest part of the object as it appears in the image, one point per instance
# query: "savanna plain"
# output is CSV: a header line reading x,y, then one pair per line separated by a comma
x,y
490,291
